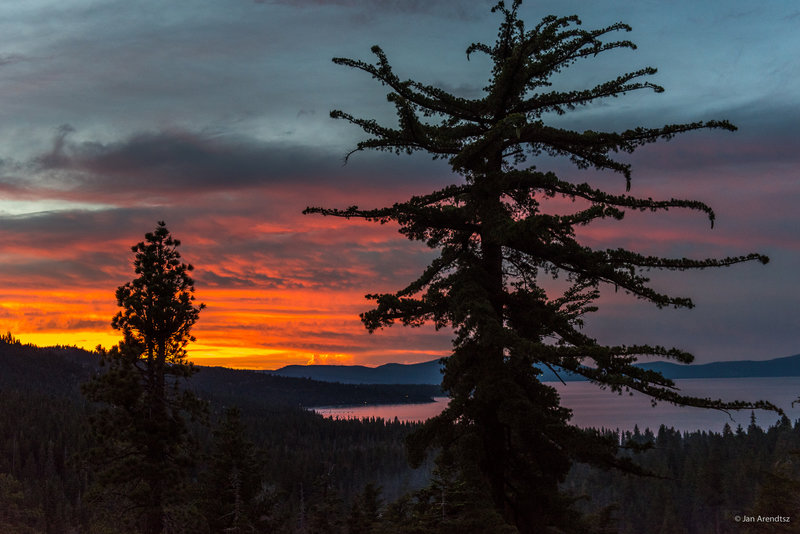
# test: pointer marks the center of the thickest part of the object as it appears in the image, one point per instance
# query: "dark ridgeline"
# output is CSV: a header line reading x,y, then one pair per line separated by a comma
x,y
431,372
390,373
504,434
59,371
222,383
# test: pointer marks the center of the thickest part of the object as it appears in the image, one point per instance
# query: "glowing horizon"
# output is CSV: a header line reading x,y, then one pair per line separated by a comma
x,y
266,333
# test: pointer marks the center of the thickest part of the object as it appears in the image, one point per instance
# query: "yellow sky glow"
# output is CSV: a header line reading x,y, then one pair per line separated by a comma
x,y
241,328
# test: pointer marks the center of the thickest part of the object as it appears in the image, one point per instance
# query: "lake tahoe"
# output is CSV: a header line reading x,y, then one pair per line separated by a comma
x,y
593,407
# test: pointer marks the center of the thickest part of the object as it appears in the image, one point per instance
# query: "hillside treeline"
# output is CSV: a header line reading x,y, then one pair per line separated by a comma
x,y
294,458
301,473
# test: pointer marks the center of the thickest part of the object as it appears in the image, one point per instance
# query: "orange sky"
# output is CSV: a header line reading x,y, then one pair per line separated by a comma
x,y
217,122
262,312
282,288
239,328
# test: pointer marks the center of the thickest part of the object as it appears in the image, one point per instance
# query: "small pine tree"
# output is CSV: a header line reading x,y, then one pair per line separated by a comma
x,y
144,447
326,513
365,511
447,505
233,481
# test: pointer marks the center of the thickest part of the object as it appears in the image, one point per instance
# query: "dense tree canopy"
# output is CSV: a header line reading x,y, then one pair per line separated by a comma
x,y
498,247
705,478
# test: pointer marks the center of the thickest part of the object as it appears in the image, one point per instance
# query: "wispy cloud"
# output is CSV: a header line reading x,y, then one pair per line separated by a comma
x,y
445,8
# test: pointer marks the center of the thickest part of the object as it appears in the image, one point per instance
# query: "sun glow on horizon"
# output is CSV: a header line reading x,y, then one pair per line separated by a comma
x,y
240,328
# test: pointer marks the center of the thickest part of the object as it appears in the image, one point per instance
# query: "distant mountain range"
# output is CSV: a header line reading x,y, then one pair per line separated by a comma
x,y
390,373
430,372
788,366
59,371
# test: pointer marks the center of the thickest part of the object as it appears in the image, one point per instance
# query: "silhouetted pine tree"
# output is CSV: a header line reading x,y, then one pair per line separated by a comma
x,y
326,513
365,511
234,478
497,245
145,449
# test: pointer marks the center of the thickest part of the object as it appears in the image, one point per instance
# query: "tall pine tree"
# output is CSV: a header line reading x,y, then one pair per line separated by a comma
x,y
144,444
497,247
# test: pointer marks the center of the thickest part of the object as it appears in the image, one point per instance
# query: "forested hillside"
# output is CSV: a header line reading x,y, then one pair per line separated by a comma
x,y
61,370
298,457
308,475
703,482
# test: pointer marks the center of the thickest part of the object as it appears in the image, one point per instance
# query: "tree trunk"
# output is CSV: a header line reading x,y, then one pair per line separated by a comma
x,y
495,451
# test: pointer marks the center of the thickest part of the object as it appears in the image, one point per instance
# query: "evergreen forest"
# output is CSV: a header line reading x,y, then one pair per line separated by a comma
x,y
307,474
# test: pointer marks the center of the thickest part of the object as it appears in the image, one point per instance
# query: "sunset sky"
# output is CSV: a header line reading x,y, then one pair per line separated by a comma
x,y
214,117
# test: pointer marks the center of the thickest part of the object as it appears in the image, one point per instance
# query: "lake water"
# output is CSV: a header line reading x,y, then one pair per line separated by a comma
x,y
593,407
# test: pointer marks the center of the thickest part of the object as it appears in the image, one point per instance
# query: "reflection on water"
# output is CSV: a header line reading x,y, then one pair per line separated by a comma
x,y
593,407
402,412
